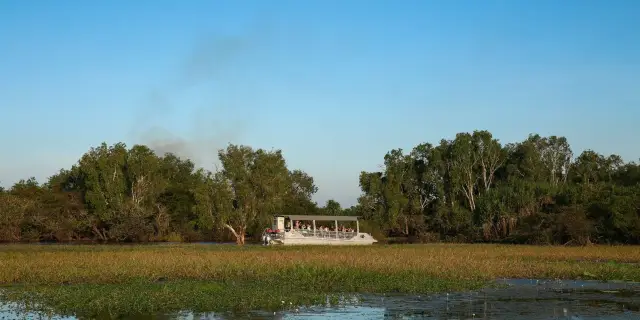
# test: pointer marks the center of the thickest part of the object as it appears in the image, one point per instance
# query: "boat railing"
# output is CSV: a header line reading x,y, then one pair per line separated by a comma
x,y
326,234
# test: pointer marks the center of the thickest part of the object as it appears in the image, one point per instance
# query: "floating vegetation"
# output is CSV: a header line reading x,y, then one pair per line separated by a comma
x,y
96,281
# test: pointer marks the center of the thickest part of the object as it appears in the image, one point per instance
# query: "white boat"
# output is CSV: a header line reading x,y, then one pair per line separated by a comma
x,y
292,233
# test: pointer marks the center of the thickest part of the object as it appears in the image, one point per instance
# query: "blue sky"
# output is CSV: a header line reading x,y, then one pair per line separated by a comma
x,y
335,84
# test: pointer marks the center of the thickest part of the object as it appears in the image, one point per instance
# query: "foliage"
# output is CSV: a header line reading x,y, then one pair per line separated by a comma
x,y
119,194
472,188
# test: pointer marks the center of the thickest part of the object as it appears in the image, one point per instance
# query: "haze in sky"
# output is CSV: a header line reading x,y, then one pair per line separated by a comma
x,y
334,84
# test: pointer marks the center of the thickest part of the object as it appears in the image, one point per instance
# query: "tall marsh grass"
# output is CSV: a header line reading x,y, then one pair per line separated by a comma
x,y
60,264
92,280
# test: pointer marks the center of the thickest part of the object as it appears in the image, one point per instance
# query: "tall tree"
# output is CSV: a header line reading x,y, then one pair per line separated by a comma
x,y
332,208
463,161
252,186
490,156
470,188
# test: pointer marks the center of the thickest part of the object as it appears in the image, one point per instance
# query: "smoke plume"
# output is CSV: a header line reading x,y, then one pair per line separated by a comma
x,y
207,73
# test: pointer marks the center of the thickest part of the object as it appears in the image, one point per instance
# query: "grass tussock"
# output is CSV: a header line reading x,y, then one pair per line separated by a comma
x,y
123,279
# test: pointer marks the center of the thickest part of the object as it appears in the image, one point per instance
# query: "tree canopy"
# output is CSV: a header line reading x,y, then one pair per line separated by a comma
x,y
472,188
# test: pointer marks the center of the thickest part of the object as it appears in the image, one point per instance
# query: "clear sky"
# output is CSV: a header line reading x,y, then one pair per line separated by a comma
x,y
334,84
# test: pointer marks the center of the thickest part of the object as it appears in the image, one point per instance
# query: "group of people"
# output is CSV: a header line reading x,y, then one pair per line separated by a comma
x,y
304,226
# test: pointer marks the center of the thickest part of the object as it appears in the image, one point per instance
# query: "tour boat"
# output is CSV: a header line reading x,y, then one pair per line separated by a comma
x,y
295,233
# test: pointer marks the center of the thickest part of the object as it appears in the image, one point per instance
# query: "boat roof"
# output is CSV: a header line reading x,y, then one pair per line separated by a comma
x,y
322,218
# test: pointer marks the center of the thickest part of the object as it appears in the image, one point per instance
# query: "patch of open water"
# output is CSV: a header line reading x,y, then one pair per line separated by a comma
x,y
515,299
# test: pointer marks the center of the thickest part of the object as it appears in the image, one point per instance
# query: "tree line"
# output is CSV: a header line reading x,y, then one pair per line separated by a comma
x,y
474,189
469,189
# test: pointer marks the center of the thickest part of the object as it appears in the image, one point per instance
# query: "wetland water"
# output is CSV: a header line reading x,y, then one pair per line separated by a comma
x,y
516,299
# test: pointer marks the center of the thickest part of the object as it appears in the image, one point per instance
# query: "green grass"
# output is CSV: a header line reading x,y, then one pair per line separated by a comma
x,y
107,281
274,294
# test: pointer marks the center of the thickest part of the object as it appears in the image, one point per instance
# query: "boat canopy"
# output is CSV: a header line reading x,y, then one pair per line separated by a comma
x,y
322,218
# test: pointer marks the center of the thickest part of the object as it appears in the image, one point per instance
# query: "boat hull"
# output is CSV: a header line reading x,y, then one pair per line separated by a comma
x,y
298,239
327,242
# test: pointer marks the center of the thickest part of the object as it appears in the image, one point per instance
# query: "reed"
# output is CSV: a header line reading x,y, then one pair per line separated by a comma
x,y
59,264
170,277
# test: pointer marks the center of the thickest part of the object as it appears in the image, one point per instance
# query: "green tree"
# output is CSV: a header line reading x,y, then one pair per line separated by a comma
x,y
252,186
332,208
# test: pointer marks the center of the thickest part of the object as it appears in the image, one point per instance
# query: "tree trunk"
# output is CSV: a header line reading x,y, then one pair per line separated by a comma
x,y
238,235
406,226
16,234
100,235
240,239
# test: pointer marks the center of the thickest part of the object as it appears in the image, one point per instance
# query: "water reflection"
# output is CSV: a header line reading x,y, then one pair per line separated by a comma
x,y
517,299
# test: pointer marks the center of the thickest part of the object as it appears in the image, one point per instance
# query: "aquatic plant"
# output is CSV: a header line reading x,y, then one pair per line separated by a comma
x,y
126,279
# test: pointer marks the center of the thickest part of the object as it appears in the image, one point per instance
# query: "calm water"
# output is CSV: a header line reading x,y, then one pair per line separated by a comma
x,y
521,299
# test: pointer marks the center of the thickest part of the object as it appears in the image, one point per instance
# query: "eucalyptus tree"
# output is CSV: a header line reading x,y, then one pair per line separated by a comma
x,y
102,182
178,198
463,167
628,174
252,186
214,202
471,184
121,190
592,167
332,208
429,181
371,201
542,159
14,210
490,156
397,176
557,155
298,200
469,188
